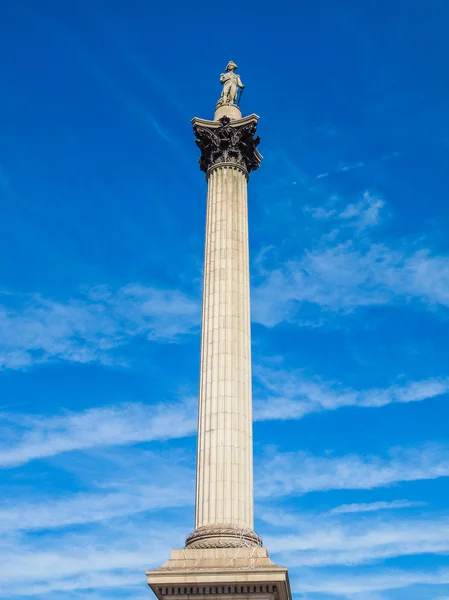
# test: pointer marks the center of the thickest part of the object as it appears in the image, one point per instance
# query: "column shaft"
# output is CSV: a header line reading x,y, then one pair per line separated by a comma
x,y
224,493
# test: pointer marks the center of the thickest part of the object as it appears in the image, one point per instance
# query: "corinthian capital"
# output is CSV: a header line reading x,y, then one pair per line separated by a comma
x,y
226,141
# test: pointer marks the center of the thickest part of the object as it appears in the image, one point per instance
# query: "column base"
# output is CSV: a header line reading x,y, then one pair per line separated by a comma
x,y
226,573
223,535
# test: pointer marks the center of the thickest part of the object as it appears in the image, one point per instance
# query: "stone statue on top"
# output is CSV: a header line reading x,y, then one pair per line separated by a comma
x,y
231,83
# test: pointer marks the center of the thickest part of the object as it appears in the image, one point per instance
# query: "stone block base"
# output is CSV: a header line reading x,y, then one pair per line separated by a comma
x,y
230,110
228,573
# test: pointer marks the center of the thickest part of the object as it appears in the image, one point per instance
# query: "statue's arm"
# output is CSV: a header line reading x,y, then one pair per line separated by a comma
x,y
223,77
239,83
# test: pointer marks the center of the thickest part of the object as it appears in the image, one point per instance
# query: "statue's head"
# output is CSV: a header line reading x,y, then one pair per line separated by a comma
x,y
231,66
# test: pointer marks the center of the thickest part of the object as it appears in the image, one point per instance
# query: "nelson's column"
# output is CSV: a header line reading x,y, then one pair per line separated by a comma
x,y
223,556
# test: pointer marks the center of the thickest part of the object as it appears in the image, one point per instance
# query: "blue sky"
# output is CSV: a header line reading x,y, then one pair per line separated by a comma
x,y
101,239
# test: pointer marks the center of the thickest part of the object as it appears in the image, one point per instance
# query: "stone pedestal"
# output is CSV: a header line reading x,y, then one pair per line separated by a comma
x,y
228,573
227,110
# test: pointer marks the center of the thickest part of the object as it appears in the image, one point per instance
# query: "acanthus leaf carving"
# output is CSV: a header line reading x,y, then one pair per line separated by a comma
x,y
228,144
223,535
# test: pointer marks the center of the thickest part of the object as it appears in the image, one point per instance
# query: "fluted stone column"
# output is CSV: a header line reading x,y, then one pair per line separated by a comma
x,y
224,487
224,484
224,557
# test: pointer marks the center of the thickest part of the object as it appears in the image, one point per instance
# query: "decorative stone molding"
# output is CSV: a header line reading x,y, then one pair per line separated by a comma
x,y
228,143
267,590
227,165
223,536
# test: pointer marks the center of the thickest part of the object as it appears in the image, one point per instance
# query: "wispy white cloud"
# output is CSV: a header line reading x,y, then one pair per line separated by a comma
x,y
84,560
35,329
292,396
105,558
34,437
30,437
356,583
359,215
127,522
114,484
374,507
322,212
365,213
353,166
340,278
324,541
335,279
349,167
352,541
356,165
90,507
119,553
296,473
